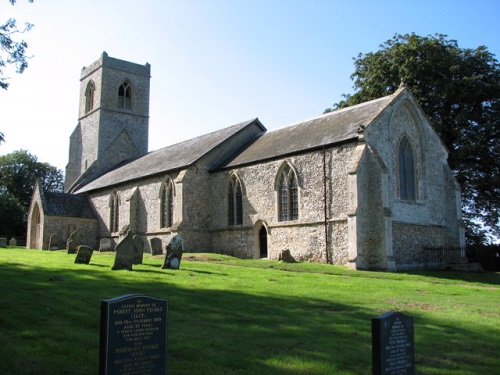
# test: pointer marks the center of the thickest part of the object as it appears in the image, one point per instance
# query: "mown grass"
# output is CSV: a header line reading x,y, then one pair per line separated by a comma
x,y
232,316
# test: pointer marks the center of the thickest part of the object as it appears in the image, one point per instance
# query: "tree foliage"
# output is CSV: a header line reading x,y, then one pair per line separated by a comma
x,y
459,90
18,174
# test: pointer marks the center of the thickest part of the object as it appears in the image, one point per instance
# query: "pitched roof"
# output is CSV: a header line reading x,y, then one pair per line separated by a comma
x,y
67,205
170,158
331,128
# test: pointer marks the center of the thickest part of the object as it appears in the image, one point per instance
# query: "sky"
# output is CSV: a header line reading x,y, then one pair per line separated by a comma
x,y
214,63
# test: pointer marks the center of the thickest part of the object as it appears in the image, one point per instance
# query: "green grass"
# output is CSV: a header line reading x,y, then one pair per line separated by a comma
x,y
232,316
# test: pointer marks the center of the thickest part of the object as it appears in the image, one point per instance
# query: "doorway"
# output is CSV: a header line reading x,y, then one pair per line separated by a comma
x,y
263,242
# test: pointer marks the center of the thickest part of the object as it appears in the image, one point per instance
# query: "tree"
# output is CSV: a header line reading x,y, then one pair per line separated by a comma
x,y
459,90
18,173
12,51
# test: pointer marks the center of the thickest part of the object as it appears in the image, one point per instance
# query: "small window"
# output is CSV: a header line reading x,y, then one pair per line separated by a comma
x,y
167,204
406,164
288,195
114,213
89,97
234,202
125,96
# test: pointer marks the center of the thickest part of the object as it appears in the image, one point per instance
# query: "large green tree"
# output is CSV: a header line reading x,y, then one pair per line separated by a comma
x,y
459,90
19,171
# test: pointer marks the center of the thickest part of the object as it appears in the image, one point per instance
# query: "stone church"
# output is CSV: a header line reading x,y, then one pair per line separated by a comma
x,y
367,186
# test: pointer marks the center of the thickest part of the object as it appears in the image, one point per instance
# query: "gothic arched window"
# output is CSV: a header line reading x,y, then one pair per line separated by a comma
x,y
114,212
406,165
288,195
166,204
89,97
125,96
234,202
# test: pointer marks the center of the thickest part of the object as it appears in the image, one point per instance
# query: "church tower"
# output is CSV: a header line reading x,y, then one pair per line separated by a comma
x,y
113,120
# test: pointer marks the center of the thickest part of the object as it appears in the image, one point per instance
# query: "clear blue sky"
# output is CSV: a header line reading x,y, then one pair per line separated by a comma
x,y
214,63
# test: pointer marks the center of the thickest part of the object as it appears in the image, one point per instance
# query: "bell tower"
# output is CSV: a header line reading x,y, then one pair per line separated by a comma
x,y
113,119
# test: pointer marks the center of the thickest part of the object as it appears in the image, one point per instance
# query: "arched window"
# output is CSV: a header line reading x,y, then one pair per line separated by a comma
x,y
288,195
407,177
114,212
125,96
166,203
89,97
234,202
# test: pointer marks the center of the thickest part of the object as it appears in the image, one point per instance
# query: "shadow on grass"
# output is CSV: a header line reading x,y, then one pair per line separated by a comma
x,y
492,278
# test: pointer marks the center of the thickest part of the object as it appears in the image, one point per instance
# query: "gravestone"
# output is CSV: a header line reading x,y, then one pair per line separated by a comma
x,y
13,242
73,242
3,242
54,242
133,335
156,248
125,253
286,257
83,254
106,244
175,248
138,249
393,347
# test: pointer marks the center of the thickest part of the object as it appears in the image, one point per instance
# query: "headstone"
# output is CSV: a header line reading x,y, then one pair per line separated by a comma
x,y
286,257
106,244
83,254
125,253
139,249
133,335
156,248
73,242
3,242
175,248
54,242
393,347
13,242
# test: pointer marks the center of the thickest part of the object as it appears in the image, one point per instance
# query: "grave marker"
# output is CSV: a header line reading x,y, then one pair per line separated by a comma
x,y
83,254
393,348
133,335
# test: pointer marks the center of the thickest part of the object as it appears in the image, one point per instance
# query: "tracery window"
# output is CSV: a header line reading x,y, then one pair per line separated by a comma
x,y
125,96
407,177
114,212
167,204
234,202
288,195
89,97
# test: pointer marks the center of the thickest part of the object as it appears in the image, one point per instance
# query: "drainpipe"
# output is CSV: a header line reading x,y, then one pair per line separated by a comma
x,y
325,211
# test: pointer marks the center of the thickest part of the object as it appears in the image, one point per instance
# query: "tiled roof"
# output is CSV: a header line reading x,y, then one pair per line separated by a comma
x,y
170,158
67,205
331,128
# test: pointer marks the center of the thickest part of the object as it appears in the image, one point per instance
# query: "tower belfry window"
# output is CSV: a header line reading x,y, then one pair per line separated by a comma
x,y
89,97
125,96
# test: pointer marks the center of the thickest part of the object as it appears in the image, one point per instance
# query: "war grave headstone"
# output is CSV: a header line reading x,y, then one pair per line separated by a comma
x,y
138,249
83,254
175,248
13,242
156,248
3,242
393,347
106,244
54,242
133,335
73,242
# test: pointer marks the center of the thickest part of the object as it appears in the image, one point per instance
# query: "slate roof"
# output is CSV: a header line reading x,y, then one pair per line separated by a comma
x,y
67,205
328,129
177,156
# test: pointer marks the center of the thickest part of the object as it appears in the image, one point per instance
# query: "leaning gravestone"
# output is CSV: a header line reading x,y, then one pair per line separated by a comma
x,y
125,253
139,249
73,242
175,248
393,348
133,335
106,244
3,242
156,248
83,254
13,242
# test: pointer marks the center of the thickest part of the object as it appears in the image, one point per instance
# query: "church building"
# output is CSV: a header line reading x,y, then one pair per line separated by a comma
x,y
366,186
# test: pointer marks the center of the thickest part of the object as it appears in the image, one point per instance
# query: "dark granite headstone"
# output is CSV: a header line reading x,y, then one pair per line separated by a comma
x,y
133,337
156,248
138,249
393,347
73,242
125,253
83,254
175,248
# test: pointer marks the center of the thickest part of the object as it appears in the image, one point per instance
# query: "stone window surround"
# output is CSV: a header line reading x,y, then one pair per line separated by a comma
x,y
114,212
405,141
234,200
287,174
166,199
125,95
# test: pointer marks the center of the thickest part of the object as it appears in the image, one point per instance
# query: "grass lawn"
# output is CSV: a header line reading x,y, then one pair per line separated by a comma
x,y
232,316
